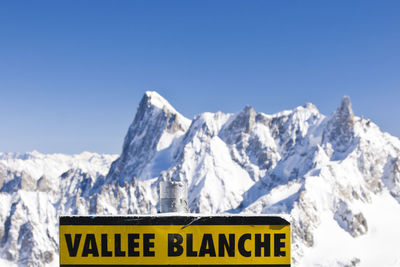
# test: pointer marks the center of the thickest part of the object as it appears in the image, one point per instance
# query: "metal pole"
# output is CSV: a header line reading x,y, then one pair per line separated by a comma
x,y
173,196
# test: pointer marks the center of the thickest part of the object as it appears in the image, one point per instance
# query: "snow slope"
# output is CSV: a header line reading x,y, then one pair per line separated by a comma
x,y
30,199
337,176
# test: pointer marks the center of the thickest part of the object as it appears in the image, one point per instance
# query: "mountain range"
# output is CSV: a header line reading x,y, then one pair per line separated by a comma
x,y
336,176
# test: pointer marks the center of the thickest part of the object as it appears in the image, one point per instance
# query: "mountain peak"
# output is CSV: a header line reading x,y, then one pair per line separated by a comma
x,y
248,110
344,114
345,109
240,123
155,126
154,99
341,125
310,106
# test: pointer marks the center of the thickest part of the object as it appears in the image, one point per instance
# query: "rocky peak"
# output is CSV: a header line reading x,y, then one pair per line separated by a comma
x,y
246,118
154,115
152,99
309,105
345,113
241,123
340,126
151,107
155,126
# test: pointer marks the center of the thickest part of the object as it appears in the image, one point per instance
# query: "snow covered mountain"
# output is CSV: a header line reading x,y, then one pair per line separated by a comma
x,y
338,176
31,198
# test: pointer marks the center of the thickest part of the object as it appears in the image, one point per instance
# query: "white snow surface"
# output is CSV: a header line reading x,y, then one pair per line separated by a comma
x,y
30,198
336,177
53,165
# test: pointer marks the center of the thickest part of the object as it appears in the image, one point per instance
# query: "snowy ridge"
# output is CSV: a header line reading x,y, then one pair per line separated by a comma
x,y
336,176
53,165
30,198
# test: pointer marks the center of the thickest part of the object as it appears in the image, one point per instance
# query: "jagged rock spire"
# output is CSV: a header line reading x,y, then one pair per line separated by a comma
x,y
345,112
242,123
340,127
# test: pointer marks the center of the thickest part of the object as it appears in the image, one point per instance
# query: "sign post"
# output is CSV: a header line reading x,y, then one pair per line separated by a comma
x,y
174,240
173,196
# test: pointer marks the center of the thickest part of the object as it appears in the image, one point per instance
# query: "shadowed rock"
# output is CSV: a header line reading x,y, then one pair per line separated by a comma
x,y
340,127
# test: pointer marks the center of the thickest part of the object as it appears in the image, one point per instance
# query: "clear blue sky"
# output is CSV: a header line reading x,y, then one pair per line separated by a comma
x,y
73,72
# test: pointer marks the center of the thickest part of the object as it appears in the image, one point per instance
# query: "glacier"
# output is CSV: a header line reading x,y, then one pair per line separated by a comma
x,y
337,176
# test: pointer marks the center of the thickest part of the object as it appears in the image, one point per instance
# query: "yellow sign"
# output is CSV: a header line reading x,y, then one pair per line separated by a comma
x,y
145,240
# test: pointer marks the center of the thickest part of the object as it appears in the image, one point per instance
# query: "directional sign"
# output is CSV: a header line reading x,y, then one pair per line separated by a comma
x,y
174,240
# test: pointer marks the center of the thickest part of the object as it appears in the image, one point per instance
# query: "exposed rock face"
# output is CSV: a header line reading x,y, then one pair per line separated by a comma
x,y
44,184
332,174
354,223
391,177
247,148
340,127
155,125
